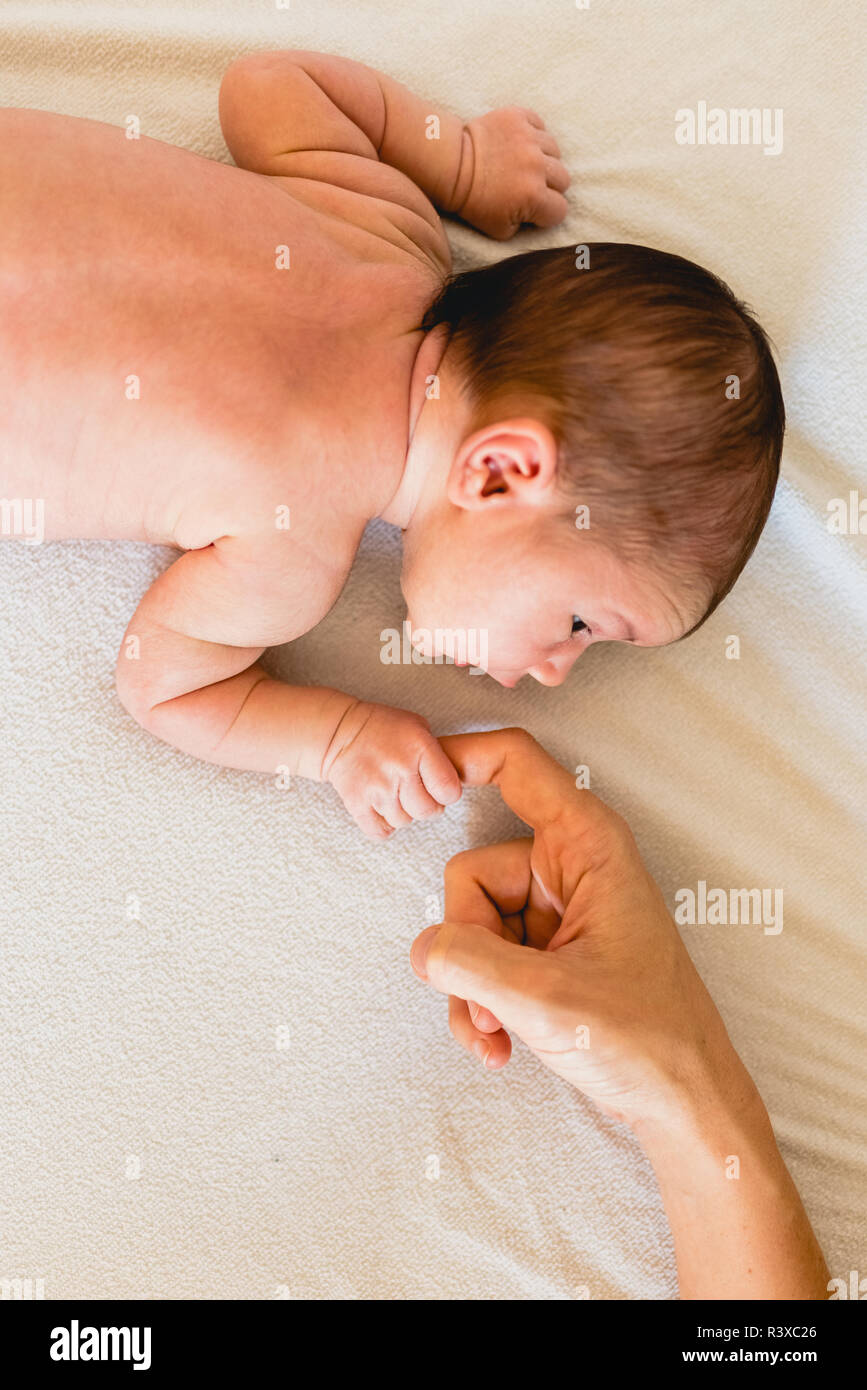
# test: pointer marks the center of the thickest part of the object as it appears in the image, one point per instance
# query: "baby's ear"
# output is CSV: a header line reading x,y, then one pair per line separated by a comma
x,y
510,463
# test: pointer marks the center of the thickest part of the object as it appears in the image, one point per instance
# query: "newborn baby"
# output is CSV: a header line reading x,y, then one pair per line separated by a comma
x,y
579,445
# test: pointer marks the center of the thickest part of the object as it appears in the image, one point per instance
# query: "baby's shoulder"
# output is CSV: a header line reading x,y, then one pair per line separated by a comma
x,y
377,211
285,573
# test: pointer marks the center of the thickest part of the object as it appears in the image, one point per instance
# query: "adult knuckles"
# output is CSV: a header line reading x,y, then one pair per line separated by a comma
x,y
462,960
460,865
446,964
519,737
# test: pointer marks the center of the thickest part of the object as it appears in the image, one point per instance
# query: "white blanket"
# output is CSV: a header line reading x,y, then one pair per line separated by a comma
x,y
219,1077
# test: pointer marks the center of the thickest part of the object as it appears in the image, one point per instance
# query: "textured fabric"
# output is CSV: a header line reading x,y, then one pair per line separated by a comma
x,y
219,1077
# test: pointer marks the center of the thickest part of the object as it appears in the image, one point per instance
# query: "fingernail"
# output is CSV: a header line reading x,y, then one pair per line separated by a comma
x,y
419,952
482,1051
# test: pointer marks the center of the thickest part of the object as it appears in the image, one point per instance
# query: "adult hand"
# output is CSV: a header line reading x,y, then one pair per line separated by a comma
x,y
606,995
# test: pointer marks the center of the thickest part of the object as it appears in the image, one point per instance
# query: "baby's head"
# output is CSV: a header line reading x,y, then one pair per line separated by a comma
x,y
625,424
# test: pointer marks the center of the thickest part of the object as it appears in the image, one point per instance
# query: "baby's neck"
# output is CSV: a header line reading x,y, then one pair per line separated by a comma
x,y
436,425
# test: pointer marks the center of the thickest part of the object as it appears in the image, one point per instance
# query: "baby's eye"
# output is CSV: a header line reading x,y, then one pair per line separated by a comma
x,y
579,625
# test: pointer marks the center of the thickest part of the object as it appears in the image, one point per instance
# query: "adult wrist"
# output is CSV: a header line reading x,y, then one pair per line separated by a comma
x,y
712,1104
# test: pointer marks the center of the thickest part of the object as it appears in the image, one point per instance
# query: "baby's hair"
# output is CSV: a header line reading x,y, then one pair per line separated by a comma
x,y
657,383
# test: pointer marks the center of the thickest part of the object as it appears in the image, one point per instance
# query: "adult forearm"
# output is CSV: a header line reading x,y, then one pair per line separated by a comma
x,y
739,1226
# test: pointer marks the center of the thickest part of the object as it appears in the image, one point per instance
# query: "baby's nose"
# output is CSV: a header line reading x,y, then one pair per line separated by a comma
x,y
555,670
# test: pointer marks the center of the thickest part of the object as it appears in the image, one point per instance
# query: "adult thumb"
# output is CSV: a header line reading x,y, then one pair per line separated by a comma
x,y
471,962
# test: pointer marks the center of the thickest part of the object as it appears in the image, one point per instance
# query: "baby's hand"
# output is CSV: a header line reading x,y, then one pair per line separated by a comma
x,y
389,769
517,174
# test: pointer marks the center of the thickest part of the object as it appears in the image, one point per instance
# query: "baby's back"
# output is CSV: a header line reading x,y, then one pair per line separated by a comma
x,y
173,329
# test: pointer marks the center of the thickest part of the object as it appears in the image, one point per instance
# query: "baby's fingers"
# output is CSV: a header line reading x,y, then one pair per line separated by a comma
x,y
550,209
557,176
533,117
547,143
439,776
392,812
370,822
416,801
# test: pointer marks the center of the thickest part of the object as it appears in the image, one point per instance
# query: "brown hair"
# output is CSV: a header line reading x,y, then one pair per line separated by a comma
x,y
633,360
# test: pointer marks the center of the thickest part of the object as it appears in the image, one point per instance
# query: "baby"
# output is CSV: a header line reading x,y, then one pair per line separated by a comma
x,y
251,363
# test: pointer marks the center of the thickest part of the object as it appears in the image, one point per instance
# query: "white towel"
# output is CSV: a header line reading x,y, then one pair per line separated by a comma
x,y
219,1077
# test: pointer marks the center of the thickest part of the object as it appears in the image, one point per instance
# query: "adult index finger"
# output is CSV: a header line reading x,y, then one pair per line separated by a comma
x,y
536,787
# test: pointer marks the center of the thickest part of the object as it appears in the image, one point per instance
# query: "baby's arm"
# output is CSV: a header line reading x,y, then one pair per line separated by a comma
x,y
314,116
188,671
